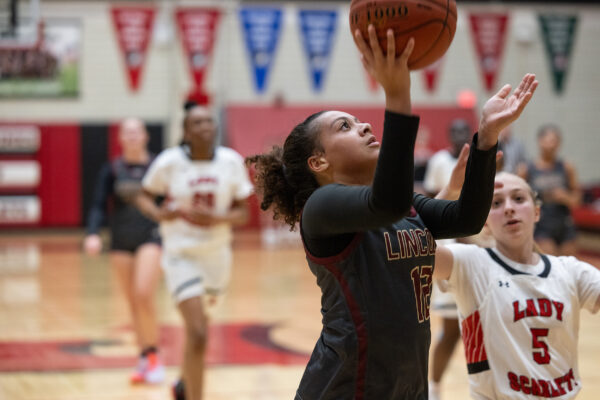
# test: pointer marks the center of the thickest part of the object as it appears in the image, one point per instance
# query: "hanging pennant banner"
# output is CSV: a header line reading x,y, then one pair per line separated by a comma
x,y
489,32
261,27
317,28
559,35
197,27
430,74
133,26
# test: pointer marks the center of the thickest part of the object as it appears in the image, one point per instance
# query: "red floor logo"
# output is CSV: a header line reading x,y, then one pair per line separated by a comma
x,y
240,344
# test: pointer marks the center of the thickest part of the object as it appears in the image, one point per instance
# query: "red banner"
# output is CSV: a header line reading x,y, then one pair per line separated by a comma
x,y
489,33
133,26
430,74
197,28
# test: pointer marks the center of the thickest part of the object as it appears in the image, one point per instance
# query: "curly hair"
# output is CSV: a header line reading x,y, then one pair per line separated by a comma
x,y
283,177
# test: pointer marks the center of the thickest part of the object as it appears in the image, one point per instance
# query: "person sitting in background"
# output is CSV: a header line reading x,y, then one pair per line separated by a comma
x,y
441,163
556,183
135,243
513,152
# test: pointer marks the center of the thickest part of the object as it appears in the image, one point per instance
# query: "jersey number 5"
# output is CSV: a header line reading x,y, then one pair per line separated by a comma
x,y
543,355
421,279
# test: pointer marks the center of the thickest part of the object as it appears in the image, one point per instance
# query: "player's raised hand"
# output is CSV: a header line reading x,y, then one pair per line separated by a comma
x,y
390,71
502,109
452,189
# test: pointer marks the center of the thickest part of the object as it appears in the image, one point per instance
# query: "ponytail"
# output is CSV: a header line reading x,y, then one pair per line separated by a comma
x,y
283,177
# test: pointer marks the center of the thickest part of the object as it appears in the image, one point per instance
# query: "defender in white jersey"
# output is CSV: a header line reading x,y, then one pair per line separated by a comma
x,y
206,188
518,309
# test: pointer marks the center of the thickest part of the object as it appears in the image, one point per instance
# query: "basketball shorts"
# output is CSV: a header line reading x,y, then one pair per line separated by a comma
x,y
197,272
558,228
131,240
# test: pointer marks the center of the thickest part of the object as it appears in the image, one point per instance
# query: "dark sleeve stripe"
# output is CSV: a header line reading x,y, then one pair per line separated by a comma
x,y
481,366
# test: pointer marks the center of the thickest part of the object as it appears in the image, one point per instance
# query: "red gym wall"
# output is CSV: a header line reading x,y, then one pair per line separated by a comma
x,y
255,129
69,156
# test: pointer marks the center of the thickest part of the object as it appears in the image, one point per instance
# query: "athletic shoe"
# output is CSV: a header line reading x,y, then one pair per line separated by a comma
x,y
178,390
155,371
149,370
137,376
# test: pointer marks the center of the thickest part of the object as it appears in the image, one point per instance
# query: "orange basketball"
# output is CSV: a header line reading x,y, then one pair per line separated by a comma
x,y
431,22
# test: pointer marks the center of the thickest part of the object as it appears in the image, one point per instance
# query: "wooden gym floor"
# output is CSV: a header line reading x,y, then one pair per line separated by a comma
x,y
65,335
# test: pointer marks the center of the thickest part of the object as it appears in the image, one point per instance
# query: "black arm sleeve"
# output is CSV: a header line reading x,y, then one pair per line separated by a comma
x,y
338,209
103,189
467,215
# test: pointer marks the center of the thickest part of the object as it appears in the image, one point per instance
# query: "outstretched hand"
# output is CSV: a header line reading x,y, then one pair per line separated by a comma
x,y
502,109
390,71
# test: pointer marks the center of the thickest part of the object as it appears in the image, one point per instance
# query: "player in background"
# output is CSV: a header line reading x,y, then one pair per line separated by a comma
x,y
518,308
556,183
440,165
207,187
370,250
513,152
135,242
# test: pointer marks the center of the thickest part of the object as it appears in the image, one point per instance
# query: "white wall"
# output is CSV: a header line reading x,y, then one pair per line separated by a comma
x,y
105,94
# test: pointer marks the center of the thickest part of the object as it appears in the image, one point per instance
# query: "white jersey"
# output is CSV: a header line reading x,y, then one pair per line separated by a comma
x,y
520,323
439,171
215,183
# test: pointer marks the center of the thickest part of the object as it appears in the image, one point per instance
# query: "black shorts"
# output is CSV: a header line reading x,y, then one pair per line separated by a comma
x,y
559,229
131,240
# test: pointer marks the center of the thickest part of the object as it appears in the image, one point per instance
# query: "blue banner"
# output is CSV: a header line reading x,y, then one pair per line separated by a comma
x,y
261,29
317,28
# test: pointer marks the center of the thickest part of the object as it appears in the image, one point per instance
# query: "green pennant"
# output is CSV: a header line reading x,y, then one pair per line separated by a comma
x,y
559,35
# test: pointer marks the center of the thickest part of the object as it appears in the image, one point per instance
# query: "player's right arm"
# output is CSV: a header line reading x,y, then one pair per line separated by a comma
x,y
92,243
156,184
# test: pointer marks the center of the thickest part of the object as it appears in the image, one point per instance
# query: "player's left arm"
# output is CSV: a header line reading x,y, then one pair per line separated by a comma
x,y
588,283
451,191
239,213
444,260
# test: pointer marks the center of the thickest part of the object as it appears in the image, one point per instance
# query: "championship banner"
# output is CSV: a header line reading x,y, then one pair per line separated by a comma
x,y
261,27
559,35
430,75
133,26
19,139
21,174
19,210
489,33
197,27
317,28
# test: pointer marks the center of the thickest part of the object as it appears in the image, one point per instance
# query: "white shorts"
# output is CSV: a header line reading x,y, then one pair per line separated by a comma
x,y
196,272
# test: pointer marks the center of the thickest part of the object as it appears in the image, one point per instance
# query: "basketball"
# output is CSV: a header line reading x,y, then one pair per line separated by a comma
x,y
431,22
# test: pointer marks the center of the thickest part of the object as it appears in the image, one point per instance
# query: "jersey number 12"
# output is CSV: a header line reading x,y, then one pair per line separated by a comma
x,y
421,279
